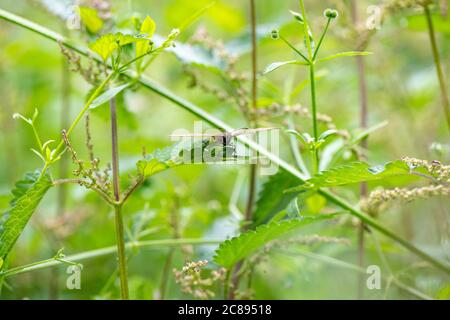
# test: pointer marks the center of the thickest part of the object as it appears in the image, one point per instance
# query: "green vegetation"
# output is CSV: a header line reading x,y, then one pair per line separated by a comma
x,y
361,177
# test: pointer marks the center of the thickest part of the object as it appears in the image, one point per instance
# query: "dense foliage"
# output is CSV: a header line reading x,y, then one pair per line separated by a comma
x,y
94,94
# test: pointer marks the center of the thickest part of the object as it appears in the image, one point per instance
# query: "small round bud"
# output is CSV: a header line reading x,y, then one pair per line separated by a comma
x,y
274,34
331,13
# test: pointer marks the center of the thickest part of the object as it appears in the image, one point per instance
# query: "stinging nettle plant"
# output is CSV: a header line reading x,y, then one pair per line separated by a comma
x,y
121,60
113,49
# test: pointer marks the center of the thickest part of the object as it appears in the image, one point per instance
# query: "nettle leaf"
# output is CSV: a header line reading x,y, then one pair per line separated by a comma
x,y
148,28
124,39
275,65
104,46
345,54
108,95
91,19
271,199
108,43
28,193
353,173
234,250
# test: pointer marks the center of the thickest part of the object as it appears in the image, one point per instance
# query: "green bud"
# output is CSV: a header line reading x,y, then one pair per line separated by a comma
x,y
274,34
297,16
331,13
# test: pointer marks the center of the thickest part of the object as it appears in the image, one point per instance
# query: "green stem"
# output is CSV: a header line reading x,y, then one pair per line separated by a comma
x,y
314,115
166,273
313,100
312,80
294,48
374,224
294,148
362,271
217,123
127,64
306,30
38,140
105,252
254,97
437,62
226,284
120,237
85,108
363,119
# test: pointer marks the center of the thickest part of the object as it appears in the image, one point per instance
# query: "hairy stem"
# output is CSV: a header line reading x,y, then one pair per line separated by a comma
x,y
374,224
114,149
171,254
106,251
166,273
312,80
120,238
63,164
342,264
363,114
226,285
85,108
314,116
321,39
252,175
253,168
437,62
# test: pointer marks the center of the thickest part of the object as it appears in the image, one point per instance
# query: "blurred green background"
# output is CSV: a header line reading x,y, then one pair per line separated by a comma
x,y
402,89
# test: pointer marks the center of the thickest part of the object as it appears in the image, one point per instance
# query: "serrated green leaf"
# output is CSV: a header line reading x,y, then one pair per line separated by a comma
x,y
91,19
234,250
104,46
271,199
148,28
345,54
353,173
27,195
108,43
108,95
275,65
